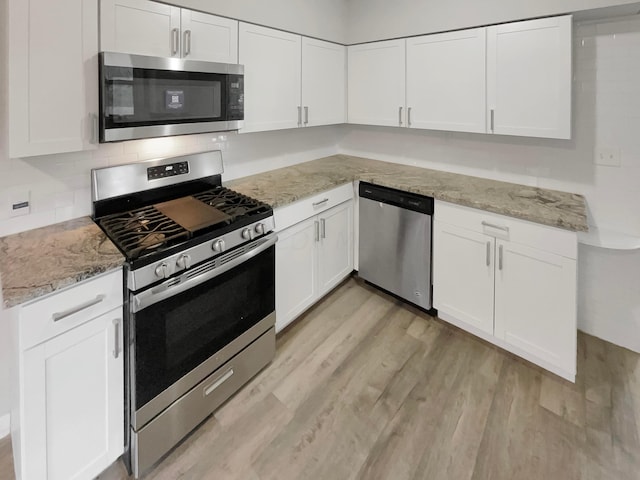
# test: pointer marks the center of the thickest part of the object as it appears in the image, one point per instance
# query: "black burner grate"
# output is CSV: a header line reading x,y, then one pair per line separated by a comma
x,y
232,203
142,230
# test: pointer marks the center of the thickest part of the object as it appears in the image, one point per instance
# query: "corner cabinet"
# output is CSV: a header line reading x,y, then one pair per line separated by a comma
x,y
68,415
509,281
53,76
144,27
529,78
314,251
290,81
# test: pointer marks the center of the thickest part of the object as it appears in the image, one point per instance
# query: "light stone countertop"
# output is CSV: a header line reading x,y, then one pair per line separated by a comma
x,y
44,260
287,185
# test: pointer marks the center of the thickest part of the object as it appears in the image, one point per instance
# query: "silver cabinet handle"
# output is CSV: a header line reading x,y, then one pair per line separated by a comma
x,y
409,116
500,257
492,119
95,132
175,40
306,115
83,306
210,389
492,225
488,253
316,225
323,228
299,115
321,202
116,344
400,116
187,42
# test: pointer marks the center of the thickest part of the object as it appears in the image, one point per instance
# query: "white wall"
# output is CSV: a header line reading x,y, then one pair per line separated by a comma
x,y
606,114
381,19
325,19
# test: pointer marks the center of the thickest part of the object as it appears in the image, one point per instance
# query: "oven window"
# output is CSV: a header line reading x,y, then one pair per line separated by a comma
x,y
136,97
178,334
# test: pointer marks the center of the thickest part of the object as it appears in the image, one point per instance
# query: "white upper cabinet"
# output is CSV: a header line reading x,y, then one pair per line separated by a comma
x,y
324,82
529,78
209,38
143,27
377,83
272,74
290,81
53,76
446,81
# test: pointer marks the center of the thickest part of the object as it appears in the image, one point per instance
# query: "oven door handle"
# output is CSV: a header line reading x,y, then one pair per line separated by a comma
x,y
174,286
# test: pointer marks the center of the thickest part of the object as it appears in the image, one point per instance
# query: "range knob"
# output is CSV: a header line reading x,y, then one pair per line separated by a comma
x,y
162,270
218,246
246,234
259,228
184,261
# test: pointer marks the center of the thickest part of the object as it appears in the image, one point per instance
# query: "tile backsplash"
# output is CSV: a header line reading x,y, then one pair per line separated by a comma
x,y
60,185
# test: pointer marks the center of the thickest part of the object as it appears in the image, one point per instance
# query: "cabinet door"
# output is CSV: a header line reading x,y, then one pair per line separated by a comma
x,y
446,81
140,27
463,275
377,83
74,402
53,76
271,60
296,271
336,246
324,82
209,38
535,307
529,78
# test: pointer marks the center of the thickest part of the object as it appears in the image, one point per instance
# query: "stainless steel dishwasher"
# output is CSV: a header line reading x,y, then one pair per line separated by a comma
x,y
395,242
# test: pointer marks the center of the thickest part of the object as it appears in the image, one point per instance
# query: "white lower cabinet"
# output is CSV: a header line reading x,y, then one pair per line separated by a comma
x,y
312,255
68,416
508,281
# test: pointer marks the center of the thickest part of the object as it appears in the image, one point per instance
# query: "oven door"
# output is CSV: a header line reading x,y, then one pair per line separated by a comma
x,y
188,326
148,97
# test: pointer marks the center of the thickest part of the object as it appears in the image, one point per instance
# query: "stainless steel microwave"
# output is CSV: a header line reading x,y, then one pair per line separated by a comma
x,y
145,97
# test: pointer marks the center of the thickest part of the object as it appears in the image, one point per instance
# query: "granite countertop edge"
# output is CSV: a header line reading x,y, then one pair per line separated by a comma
x,y
45,260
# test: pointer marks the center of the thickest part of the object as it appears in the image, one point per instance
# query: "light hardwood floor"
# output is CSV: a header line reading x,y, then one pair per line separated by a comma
x,y
363,387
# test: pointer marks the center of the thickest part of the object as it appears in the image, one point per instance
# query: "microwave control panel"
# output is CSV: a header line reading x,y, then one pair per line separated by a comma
x,y
164,171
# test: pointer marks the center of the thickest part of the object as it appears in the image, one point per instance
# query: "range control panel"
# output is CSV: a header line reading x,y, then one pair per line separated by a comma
x,y
164,171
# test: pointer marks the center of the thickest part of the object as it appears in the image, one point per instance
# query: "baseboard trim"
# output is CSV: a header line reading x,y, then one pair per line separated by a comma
x,y
5,425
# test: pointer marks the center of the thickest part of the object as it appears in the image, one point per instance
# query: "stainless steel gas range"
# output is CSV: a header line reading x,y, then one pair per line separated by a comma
x,y
199,293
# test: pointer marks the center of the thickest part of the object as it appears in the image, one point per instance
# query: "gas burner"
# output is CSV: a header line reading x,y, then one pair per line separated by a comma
x,y
141,231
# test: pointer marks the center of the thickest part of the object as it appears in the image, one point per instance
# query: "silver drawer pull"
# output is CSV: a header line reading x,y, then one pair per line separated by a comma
x,y
316,225
317,204
497,227
60,315
209,390
500,257
488,253
323,228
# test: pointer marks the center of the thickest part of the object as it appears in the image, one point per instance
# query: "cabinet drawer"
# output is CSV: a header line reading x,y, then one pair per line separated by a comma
x,y
542,237
44,319
301,210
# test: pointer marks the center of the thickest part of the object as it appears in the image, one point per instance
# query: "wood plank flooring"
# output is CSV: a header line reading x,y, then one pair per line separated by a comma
x,y
364,387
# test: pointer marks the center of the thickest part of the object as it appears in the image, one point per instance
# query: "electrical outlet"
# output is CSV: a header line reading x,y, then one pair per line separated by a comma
x,y
608,157
19,203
